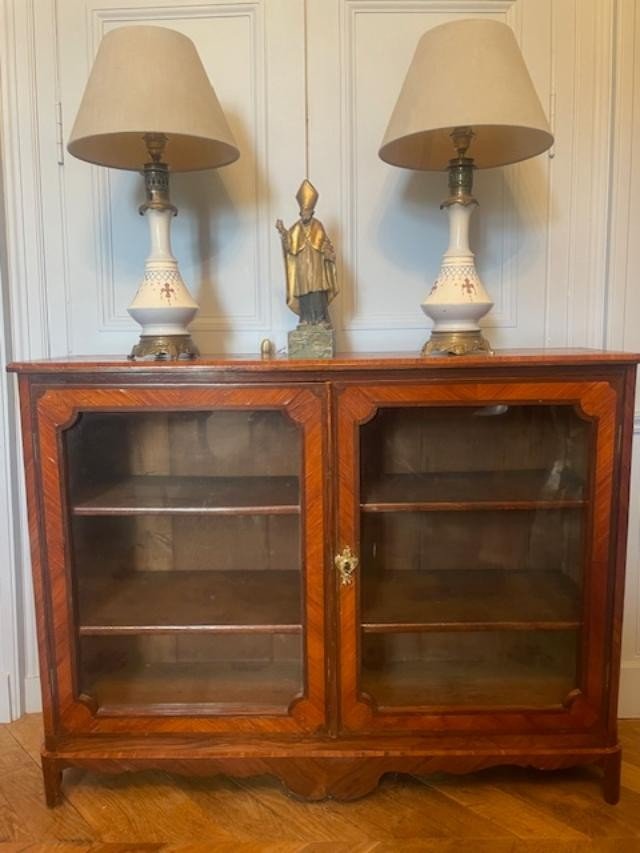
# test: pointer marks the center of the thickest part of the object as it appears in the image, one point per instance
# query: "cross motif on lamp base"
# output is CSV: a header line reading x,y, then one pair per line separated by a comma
x,y
167,290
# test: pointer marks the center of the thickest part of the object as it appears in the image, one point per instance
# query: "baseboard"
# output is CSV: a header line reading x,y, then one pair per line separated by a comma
x,y
5,698
629,697
32,694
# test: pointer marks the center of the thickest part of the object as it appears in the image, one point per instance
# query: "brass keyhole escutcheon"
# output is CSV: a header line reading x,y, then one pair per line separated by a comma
x,y
346,564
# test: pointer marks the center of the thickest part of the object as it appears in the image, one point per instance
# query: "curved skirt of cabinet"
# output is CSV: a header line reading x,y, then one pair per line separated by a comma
x,y
322,769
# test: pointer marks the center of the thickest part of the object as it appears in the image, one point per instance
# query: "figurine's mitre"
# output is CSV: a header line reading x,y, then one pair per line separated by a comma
x,y
307,195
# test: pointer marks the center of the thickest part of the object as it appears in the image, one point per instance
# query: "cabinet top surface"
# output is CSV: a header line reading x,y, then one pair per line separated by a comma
x,y
341,362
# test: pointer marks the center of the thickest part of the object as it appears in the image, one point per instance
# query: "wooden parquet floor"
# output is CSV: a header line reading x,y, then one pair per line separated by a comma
x,y
504,810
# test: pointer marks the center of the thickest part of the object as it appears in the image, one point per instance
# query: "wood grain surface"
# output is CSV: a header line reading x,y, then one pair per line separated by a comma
x,y
194,602
334,727
362,361
194,495
501,810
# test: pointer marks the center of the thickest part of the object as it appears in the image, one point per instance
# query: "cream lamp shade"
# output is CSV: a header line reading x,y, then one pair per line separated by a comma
x,y
144,80
467,73
467,103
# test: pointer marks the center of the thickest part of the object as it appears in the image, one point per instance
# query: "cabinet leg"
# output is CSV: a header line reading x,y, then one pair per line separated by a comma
x,y
52,777
612,768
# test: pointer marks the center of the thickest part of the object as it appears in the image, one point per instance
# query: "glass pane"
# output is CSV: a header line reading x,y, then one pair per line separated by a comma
x,y
185,552
261,672
470,453
475,566
183,460
472,550
186,571
534,669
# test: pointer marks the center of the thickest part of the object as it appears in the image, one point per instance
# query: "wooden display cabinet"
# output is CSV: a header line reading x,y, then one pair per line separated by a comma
x,y
327,571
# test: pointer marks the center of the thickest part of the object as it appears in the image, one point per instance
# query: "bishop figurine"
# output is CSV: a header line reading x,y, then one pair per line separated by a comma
x,y
310,267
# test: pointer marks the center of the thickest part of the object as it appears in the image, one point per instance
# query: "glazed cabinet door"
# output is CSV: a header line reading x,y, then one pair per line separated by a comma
x,y
474,555
185,531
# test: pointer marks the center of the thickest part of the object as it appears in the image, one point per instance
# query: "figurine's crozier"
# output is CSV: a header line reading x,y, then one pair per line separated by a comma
x,y
310,270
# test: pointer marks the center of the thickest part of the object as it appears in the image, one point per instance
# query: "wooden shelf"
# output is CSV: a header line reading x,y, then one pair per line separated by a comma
x,y
469,684
197,688
195,495
477,490
191,602
469,600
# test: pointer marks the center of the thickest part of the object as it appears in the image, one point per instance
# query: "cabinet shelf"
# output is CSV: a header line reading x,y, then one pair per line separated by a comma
x,y
191,602
476,490
196,688
451,683
470,600
154,494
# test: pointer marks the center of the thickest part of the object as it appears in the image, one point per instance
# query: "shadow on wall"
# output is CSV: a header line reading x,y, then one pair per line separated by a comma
x,y
212,237
412,231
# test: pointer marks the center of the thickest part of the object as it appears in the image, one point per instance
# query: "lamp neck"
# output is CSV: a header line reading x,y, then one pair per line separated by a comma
x,y
156,182
460,182
460,169
156,176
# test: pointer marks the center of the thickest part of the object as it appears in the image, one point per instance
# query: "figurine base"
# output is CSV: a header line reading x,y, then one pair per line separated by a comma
x,y
457,343
311,342
164,348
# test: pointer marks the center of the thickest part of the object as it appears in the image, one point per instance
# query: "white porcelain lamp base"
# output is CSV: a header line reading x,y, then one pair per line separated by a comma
x,y
458,299
163,305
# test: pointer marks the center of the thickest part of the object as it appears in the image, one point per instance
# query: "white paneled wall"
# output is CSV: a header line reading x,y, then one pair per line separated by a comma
x,y
391,230
554,236
623,302
224,236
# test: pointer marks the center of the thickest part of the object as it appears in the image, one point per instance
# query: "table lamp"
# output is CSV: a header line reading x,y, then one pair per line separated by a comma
x,y
467,103
149,106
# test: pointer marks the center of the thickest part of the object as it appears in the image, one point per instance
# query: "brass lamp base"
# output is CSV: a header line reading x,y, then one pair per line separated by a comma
x,y
457,343
164,348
